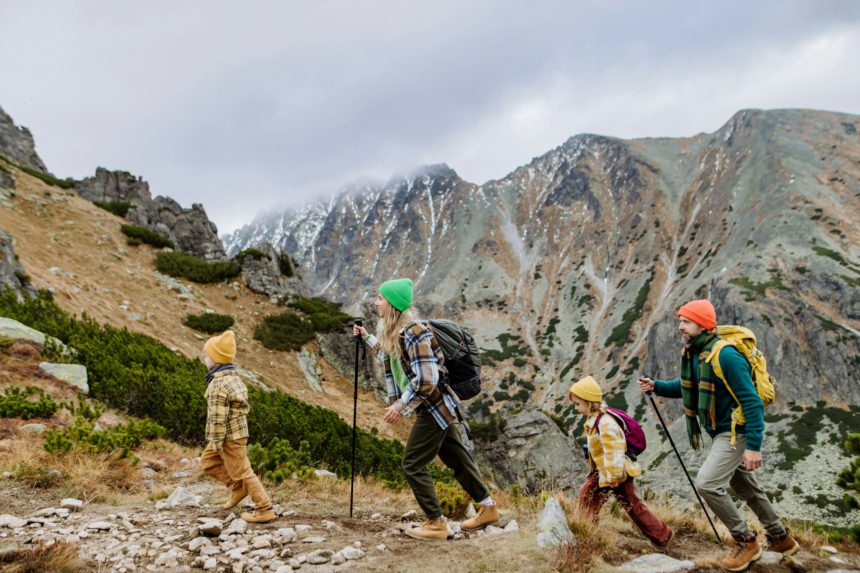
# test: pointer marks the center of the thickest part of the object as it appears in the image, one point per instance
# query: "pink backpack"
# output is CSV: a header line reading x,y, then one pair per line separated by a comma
x,y
633,432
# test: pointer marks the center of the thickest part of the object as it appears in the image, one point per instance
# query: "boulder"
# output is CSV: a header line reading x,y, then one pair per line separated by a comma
x,y
262,272
552,525
12,522
72,504
181,497
73,374
17,331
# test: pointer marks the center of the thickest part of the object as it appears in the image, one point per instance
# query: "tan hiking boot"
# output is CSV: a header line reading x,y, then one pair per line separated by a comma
x,y
431,530
784,543
237,496
747,551
260,516
487,515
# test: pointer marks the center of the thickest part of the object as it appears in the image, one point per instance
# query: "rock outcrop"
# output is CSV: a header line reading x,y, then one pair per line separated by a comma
x,y
12,273
531,451
265,272
16,143
189,229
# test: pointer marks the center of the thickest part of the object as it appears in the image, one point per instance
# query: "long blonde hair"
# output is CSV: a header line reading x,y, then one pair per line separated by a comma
x,y
388,331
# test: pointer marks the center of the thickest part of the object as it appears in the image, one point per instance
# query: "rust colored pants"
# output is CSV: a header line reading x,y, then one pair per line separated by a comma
x,y
592,497
231,467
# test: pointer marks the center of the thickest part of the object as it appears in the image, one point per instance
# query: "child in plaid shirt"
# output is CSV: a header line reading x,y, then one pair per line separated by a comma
x,y
225,457
612,472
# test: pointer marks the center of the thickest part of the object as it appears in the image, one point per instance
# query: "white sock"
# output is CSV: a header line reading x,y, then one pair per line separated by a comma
x,y
487,501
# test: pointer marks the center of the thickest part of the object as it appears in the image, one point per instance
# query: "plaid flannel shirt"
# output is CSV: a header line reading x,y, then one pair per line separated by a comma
x,y
607,449
227,408
423,362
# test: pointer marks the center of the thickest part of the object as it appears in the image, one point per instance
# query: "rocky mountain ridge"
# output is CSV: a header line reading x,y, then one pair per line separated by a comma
x,y
575,264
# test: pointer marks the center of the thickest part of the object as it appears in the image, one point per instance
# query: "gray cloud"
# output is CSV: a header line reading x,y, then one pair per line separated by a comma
x,y
247,107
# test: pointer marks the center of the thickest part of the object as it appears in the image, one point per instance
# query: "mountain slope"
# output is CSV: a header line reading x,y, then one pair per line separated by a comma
x,y
576,263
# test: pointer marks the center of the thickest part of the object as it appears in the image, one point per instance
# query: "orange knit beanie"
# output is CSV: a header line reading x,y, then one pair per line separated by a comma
x,y
701,312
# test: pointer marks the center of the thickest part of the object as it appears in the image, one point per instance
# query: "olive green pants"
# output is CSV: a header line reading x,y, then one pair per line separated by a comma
x,y
426,440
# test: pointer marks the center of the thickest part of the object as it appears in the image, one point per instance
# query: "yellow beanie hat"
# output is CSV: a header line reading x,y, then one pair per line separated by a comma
x,y
222,348
587,389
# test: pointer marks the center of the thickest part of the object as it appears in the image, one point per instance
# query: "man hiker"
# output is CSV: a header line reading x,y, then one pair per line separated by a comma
x,y
734,455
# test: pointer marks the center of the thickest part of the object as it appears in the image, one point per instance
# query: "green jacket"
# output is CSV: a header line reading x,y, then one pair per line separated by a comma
x,y
737,372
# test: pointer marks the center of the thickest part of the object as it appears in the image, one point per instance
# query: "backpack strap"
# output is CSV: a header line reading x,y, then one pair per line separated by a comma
x,y
713,360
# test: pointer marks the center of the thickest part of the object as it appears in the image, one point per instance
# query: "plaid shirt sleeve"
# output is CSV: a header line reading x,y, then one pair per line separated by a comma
x,y
423,365
614,447
218,409
375,348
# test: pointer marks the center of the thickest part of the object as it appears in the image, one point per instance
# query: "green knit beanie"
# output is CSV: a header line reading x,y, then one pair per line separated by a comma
x,y
397,292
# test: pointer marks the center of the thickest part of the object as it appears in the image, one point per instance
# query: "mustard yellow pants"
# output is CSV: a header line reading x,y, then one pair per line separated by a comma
x,y
231,467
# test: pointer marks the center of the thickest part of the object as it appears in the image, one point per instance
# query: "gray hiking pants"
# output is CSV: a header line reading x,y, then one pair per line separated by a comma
x,y
723,468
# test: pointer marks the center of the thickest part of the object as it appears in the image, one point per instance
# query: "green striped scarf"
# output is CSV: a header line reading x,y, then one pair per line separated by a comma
x,y
700,405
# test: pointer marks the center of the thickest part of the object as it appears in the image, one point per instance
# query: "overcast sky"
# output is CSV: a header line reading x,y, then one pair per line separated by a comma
x,y
248,106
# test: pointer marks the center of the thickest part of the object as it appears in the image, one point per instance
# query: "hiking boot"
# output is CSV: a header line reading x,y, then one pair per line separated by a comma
x,y
435,529
487,515
237,496
784,542
747,551
665,545
260,516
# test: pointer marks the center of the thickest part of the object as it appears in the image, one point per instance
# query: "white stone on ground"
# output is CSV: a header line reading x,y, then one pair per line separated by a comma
x,y
72,504
552,525
656,563
320,556
181,497
12,522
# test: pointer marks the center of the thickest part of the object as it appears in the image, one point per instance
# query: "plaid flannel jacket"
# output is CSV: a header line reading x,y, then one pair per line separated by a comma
x,y
227,408
606,448
423,362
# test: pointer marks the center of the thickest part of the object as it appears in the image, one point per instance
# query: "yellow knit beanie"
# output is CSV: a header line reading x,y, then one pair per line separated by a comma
x,y
587,389
222,348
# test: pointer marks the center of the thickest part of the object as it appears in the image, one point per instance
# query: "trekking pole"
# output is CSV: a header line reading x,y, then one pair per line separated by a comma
x,y
686,473
358,343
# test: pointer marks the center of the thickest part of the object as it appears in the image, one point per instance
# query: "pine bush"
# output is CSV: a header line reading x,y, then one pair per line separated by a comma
x,y
147,236
16,403
197,270
285,331
118,208
209,322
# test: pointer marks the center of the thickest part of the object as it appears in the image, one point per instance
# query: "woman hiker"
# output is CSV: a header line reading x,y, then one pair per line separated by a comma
x,y
414,369
612,471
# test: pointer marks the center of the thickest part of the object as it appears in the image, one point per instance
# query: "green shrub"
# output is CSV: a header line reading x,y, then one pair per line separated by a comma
x,y
66,183
253,253
195,269
85,435
118,208
209,322
139,375
147,236
16,403
452,498
37,476
620,335
287,264
849,476
285,331
324,316
280,460
491,430
85,409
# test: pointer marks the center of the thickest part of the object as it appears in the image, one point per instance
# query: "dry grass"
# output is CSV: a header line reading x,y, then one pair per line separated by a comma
x,y
89,477
58,557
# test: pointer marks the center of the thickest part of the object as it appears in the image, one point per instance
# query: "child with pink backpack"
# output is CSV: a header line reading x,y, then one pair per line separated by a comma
x,y
613,440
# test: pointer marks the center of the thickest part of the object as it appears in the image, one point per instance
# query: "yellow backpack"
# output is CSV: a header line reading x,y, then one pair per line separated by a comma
x,y
744,341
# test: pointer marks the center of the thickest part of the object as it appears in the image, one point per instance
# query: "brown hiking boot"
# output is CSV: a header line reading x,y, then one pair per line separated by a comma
x,y
747,551
260,516
431,530
237,496
487,515
784,543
